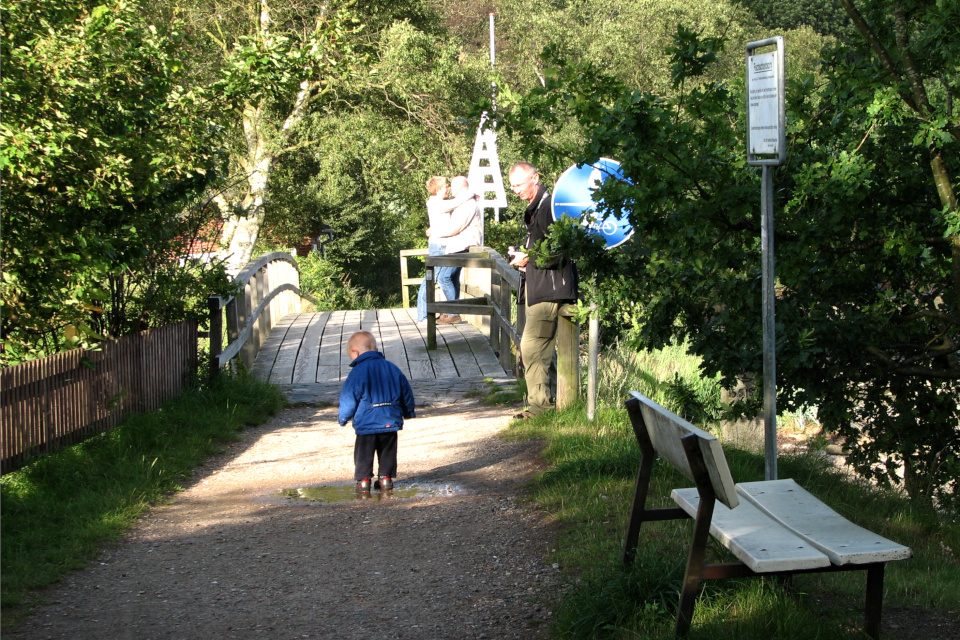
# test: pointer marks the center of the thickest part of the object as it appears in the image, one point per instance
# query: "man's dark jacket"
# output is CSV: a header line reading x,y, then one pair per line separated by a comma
x,y
557,281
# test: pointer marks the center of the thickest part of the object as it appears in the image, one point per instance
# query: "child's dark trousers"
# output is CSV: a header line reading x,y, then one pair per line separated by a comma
x,y
385,446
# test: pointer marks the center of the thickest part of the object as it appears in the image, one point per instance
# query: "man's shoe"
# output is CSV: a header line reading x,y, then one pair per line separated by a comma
x,y
385,483
446,319
363,486
523,415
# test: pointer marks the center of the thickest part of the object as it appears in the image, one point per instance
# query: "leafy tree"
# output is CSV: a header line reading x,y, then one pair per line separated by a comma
x,y
826,17
366,180
100,147
281,65
868,318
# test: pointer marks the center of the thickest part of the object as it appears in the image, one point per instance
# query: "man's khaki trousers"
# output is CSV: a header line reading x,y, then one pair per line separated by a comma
x,y
538,350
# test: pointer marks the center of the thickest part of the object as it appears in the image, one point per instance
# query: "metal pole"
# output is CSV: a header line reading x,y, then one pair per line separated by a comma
x,y
493,57
493,85
769,328
592,364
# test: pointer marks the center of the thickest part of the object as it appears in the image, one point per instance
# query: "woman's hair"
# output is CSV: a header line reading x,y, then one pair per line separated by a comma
x,y
436,183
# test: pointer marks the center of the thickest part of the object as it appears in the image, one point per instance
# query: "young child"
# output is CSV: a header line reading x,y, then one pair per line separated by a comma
x,y
377,397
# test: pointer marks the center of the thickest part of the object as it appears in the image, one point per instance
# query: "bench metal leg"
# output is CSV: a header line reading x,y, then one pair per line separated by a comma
x,y
701,534
785,580
637,510
873,608
692,577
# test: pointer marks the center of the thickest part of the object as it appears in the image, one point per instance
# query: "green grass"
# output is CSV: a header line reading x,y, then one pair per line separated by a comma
x,y
669,377
96,490
588,489
499,393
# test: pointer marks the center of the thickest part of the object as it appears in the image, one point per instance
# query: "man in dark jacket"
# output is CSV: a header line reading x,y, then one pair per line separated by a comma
x,y
547,288
377,397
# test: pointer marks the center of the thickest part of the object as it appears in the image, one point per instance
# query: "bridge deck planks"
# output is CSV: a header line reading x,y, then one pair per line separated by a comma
x,y
305,369
283,366
310,348
267,355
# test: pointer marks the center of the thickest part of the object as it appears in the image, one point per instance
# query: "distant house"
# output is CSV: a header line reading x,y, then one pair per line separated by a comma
x,y
203,246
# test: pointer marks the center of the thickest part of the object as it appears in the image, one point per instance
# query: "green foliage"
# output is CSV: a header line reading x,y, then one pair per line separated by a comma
x,y
825,16
625,39
96,490
328,288
669,376
867,317
101,148
362,170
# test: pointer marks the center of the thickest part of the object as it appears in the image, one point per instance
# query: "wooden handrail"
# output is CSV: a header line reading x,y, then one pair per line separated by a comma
x,y
269,288
494,298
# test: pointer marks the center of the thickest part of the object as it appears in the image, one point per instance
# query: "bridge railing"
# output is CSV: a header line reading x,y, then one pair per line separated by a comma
x,y
269,290
491,284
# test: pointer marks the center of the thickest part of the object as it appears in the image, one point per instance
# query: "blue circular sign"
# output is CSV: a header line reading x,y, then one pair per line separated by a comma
x,y
573,196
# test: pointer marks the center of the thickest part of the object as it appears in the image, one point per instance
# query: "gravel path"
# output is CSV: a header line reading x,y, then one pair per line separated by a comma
x,y
232,557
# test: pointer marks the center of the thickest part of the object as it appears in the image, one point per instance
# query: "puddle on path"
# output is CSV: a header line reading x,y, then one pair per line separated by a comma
x,y
327,494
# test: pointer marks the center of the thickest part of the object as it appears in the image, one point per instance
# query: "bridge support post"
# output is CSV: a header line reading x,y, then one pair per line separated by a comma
x,y
495,297
568,361
507,360
431,317
216,333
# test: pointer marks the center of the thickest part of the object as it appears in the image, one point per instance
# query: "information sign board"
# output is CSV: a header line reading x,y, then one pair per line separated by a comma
x,y
766,121
573,197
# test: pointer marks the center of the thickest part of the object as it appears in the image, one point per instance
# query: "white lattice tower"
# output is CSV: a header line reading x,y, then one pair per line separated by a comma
x,y
485,177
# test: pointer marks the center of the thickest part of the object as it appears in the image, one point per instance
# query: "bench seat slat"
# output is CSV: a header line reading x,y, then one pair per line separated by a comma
x,y
753,537
797,509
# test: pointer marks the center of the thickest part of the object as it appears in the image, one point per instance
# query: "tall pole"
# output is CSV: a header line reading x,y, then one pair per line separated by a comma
x,y
493,62
769,327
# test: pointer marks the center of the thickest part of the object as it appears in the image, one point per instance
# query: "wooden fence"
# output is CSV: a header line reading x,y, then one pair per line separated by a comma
x,y
68,397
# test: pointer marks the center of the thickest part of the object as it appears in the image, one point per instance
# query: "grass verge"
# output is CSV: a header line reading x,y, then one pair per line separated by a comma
x,y
96,490
588,489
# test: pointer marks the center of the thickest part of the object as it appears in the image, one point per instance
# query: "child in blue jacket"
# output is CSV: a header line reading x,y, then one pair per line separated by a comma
x,y
377,396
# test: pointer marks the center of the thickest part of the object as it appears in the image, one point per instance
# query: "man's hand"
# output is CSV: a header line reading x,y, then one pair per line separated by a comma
x,y
519,259
428,232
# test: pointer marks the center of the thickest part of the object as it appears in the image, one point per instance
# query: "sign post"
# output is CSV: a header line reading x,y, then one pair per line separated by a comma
x,y
766,148
573,197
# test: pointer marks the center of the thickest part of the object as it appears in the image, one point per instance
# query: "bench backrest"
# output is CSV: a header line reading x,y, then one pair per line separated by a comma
x,y
666,430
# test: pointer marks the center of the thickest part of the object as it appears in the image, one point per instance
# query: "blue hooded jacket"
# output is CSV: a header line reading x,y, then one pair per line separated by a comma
x,y
376,395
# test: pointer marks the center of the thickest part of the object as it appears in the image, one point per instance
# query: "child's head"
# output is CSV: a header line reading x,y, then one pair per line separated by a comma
x,y
361,342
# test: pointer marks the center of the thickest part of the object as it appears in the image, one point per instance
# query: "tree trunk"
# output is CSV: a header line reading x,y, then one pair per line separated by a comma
x,y
242,227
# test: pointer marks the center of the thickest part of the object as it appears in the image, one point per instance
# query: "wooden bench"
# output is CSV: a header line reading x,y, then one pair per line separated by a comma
x,y
773,527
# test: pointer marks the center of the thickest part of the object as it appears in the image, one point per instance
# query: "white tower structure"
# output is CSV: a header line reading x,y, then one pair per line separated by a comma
x,y
485,176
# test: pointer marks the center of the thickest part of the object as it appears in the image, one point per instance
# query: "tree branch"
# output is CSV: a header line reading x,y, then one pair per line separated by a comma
x,y
933,315
875,45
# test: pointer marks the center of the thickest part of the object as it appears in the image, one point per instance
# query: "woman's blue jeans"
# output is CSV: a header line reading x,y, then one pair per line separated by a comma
x,y
447,277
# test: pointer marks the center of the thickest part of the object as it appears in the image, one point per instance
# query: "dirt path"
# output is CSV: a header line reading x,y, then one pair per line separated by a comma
x,y
231,557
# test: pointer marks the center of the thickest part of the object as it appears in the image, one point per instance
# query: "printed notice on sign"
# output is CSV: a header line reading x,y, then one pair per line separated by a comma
x,y
763,103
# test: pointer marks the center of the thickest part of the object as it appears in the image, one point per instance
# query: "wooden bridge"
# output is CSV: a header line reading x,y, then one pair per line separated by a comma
x,y
305,353
310,348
